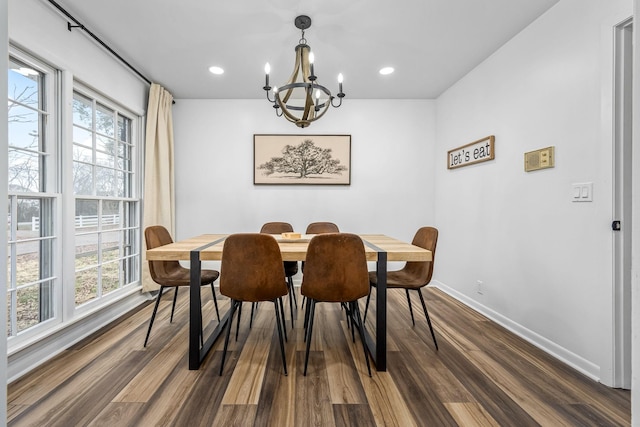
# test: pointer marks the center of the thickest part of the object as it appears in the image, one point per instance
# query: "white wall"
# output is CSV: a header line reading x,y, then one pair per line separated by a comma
x,y
392,164
40,29
546,262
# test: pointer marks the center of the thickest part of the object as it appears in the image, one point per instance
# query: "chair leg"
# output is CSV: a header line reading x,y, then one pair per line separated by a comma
x,y
361,331
350,312
153,315
312,308
280,329
239,314
253,307
173,307
343,306
410,308
284,325
291,299
426,314
226,340
366,307
215,301
306,305
292,291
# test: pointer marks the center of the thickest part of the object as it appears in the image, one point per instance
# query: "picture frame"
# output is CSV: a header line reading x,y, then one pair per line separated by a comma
x,y
475,152
301,159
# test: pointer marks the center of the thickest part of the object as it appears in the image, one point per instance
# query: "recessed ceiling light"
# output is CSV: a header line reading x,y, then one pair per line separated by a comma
x,y
386,70
216,70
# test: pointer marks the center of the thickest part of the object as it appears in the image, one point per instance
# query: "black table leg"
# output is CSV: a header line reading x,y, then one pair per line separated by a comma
x,y
195,304
378,348
381,313
197,354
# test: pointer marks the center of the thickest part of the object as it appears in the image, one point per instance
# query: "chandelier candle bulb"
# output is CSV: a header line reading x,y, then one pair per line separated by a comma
x,y
267,70
311,59
340,79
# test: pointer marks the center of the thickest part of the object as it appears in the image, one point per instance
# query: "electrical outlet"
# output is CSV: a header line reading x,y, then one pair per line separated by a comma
x,y
479,287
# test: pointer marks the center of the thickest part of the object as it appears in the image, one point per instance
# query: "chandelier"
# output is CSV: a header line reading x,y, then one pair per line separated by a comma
x,y
301,100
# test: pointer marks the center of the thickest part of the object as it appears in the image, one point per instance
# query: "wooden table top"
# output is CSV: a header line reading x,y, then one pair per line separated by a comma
x,y
396,250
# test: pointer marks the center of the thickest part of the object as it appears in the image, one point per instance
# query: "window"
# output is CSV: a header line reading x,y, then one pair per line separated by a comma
x,y
32,273
54,278
106,215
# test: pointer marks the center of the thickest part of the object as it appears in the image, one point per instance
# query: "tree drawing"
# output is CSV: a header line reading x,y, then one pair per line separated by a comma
x,y
304,160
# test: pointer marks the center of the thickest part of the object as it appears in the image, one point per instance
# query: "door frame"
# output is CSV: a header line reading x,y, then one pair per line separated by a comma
x,y
622,200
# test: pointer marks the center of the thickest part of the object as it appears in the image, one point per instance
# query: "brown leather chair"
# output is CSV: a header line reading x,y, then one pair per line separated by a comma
x,y
252,271
170,274
290,267
322,227
414,275
319,228
336,271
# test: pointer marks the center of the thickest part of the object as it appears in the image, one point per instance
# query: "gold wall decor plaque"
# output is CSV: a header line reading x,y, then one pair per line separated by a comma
x,y
542,158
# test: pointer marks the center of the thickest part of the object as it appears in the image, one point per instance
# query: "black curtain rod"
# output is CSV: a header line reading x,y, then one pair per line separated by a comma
x,y
96,38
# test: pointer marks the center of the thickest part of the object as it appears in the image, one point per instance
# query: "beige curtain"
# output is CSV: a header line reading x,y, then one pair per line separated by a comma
x,y
159,191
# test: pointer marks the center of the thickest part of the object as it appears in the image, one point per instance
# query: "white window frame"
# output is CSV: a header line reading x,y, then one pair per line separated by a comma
x,y
51,176
60,86
135,197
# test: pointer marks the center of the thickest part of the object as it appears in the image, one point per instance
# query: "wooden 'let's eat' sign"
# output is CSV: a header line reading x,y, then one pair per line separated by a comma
x,y
476,152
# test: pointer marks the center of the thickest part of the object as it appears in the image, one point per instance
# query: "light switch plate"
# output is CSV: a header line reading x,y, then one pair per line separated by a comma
x,y
582,192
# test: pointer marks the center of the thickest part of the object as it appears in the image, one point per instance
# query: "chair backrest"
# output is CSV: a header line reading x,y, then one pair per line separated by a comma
x,y
426,238
156,236
335,268
322,227
251,268
276,228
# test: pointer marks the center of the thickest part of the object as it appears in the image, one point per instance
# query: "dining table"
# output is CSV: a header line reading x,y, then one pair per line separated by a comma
x,y
379,248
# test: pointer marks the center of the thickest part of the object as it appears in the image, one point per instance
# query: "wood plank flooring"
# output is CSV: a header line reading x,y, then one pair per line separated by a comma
x,y
481,376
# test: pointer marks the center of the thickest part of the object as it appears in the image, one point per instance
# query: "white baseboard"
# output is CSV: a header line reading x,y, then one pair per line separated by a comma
x,y
29,357
576,362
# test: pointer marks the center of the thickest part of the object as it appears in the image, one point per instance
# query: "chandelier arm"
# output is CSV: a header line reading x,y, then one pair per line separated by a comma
x,y
285,110
269,99
309,107
339,103
304,61
289,116
297,68
325,105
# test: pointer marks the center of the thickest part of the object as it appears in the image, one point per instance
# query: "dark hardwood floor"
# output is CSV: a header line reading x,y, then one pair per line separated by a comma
x,y
481,376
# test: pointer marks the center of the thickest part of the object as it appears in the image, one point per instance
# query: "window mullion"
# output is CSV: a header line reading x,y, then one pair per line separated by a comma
x,y
13,251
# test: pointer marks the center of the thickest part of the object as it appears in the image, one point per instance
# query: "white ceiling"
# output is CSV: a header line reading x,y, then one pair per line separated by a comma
x,y
430,43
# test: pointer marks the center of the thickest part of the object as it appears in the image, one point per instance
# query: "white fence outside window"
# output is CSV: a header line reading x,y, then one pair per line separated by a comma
x,y
83,221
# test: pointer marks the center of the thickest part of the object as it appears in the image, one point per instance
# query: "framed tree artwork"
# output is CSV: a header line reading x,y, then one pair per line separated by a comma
x,y
302,159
